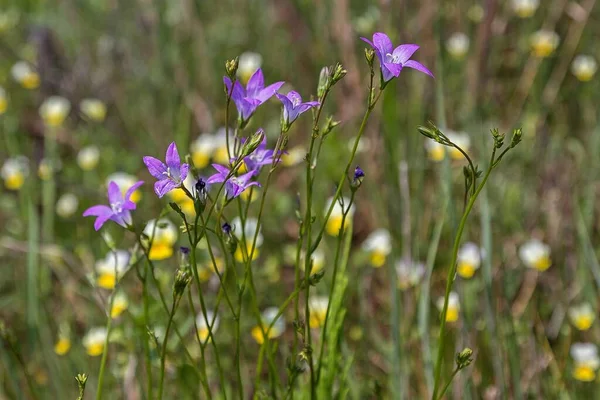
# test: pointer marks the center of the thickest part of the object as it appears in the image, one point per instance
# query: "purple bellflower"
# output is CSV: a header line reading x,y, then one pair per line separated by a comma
x,y
393,60
119,208
248,99
170,175
293,106
259,157
234,185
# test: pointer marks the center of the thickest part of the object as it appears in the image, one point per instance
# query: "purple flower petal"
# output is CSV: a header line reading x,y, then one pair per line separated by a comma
x,y
163,187
101,220
156,167
183,171
364,39
418,66
216,178
403,52
294,97
390,71
382,42
172,157
132,189
268,92
97,211
114,193
255,84
221,169
129,205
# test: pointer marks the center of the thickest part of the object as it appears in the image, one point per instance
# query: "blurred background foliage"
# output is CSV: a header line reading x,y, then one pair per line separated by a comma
x,y
157,65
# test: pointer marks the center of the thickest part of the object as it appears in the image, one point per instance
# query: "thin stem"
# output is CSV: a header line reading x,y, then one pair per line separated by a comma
x,y
203,377
451,276
163,357
333,281
105,349
448,383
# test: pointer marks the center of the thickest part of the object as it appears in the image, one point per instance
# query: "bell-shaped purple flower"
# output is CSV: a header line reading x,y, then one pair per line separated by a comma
x,y
293,106
391,59
119,208
170,175
234,185
253,95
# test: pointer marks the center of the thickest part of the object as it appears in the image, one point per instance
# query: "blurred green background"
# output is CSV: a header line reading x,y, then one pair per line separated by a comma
x,y
156,66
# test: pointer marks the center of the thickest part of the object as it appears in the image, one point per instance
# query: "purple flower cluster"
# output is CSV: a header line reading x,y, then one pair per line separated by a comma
x,y
172,173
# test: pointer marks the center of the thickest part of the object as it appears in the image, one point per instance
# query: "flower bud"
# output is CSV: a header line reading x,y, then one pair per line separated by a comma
x,y
324,82
516,138
252,143
359,176
182,279
338,73
231,67
329,125
316,277
464,358
370,56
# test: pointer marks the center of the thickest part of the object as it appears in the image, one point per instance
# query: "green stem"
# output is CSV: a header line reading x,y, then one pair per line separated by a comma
x,y
333,282
452,274
164,347
203,377
448,383
105,349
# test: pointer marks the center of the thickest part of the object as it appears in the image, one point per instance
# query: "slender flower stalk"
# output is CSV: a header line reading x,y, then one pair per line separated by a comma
x,y
435,134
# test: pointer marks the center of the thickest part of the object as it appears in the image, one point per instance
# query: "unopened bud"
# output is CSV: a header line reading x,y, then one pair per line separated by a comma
x,y
316,277
252,143
338,73
182,279
370,56
359,176
516,138
231,67
329,125
464,358
324,82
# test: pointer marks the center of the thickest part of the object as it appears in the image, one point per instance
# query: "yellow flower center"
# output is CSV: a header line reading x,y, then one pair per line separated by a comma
x,y
456,154
203,333
249,194
107,280
465,269
452,314
88,164
585,75
437,153
136,196
334,224
542,263
257,333
377,258
95,349
584,373
240,256
3,105
62,346
31,81
221,155
583,322
160,251
200,159
543,48
525,12
55,119
118,308
14,182
317,318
